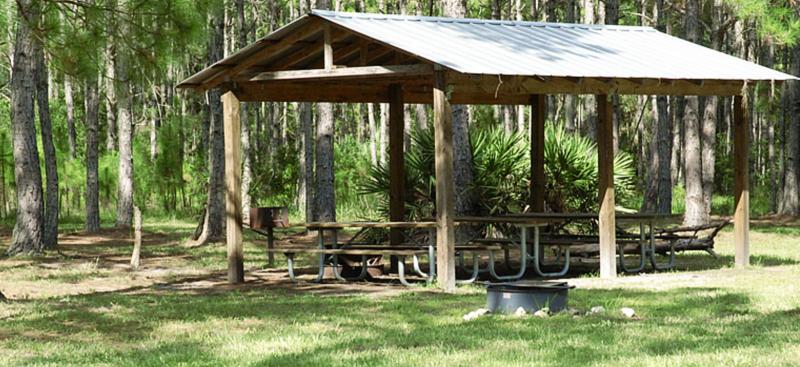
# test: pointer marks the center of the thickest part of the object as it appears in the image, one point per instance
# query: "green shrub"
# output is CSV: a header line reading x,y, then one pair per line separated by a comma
x,y
501,171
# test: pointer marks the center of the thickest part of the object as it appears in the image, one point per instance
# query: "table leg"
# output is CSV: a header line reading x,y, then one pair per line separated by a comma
x,y
642,253
475,270
536,261
401,271
321,245
290,266
656,266
523,261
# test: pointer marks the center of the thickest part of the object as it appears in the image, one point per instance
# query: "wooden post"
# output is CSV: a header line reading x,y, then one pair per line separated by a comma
x,y
539,111
605,168
327,47
233,187
397,175
445,209
137,238
741,189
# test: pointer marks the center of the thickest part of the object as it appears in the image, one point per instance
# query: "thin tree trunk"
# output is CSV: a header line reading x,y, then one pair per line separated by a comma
x,y
155,124
125,145
384,131
51,210
373,133
570,100
28,231
709,127
216,155
462,151
693,166
92,176
247,174
422,116
790,202
111,99
68,100
324,194
306,123
590,105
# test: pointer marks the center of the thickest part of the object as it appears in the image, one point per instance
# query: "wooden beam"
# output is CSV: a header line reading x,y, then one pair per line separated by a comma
x,y
445,196
539,111
741,190
397,174
605,168
233,187
258,56
495,87
359,72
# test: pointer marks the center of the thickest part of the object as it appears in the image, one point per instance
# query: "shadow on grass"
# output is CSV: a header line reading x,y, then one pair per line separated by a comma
x,y
412,327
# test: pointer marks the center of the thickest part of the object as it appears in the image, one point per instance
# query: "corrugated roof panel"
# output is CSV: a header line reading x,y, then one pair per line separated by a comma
x,y
476,46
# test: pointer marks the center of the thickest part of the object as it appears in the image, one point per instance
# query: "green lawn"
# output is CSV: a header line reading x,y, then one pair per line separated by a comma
x,y
70,312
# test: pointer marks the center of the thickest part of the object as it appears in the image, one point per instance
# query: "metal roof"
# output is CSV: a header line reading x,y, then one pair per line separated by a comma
x,y
477,46
516,48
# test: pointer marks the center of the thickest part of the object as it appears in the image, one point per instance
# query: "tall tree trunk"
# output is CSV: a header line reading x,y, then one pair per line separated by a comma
x,y
125,136
422,116
590,105
111,98
373,133
790,203
92,176
51,210
709,129
612,17
693,166
462,151
28,231
70,104
155,124
325,193
570,100
216,154
306,123
384,131
247,174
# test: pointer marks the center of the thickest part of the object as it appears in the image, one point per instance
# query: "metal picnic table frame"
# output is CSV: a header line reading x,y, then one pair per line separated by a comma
x,y
525,222
647,247
401,251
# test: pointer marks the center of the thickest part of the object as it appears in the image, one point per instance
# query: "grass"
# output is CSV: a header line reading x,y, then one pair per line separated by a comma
x,y
96,312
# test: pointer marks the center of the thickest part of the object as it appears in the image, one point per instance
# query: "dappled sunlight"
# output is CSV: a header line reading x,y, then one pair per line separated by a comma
x,y
179,307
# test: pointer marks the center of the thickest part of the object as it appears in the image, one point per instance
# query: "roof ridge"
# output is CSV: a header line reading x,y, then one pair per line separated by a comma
x,y
379,16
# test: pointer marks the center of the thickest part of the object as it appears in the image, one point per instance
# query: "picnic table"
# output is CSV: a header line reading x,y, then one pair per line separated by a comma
x,y
646,240
524,224
529,240
332,250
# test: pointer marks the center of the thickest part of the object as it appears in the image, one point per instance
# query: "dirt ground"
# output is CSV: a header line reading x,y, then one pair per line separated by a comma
x,y
100,263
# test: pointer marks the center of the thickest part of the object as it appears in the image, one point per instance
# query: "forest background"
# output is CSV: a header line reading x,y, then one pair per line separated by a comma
x,y
113,132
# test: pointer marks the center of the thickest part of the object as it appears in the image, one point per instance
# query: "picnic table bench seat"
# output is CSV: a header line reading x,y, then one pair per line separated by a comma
x,y
365,251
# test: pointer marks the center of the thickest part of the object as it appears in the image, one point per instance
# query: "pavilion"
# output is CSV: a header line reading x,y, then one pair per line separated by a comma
x,y
367,58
